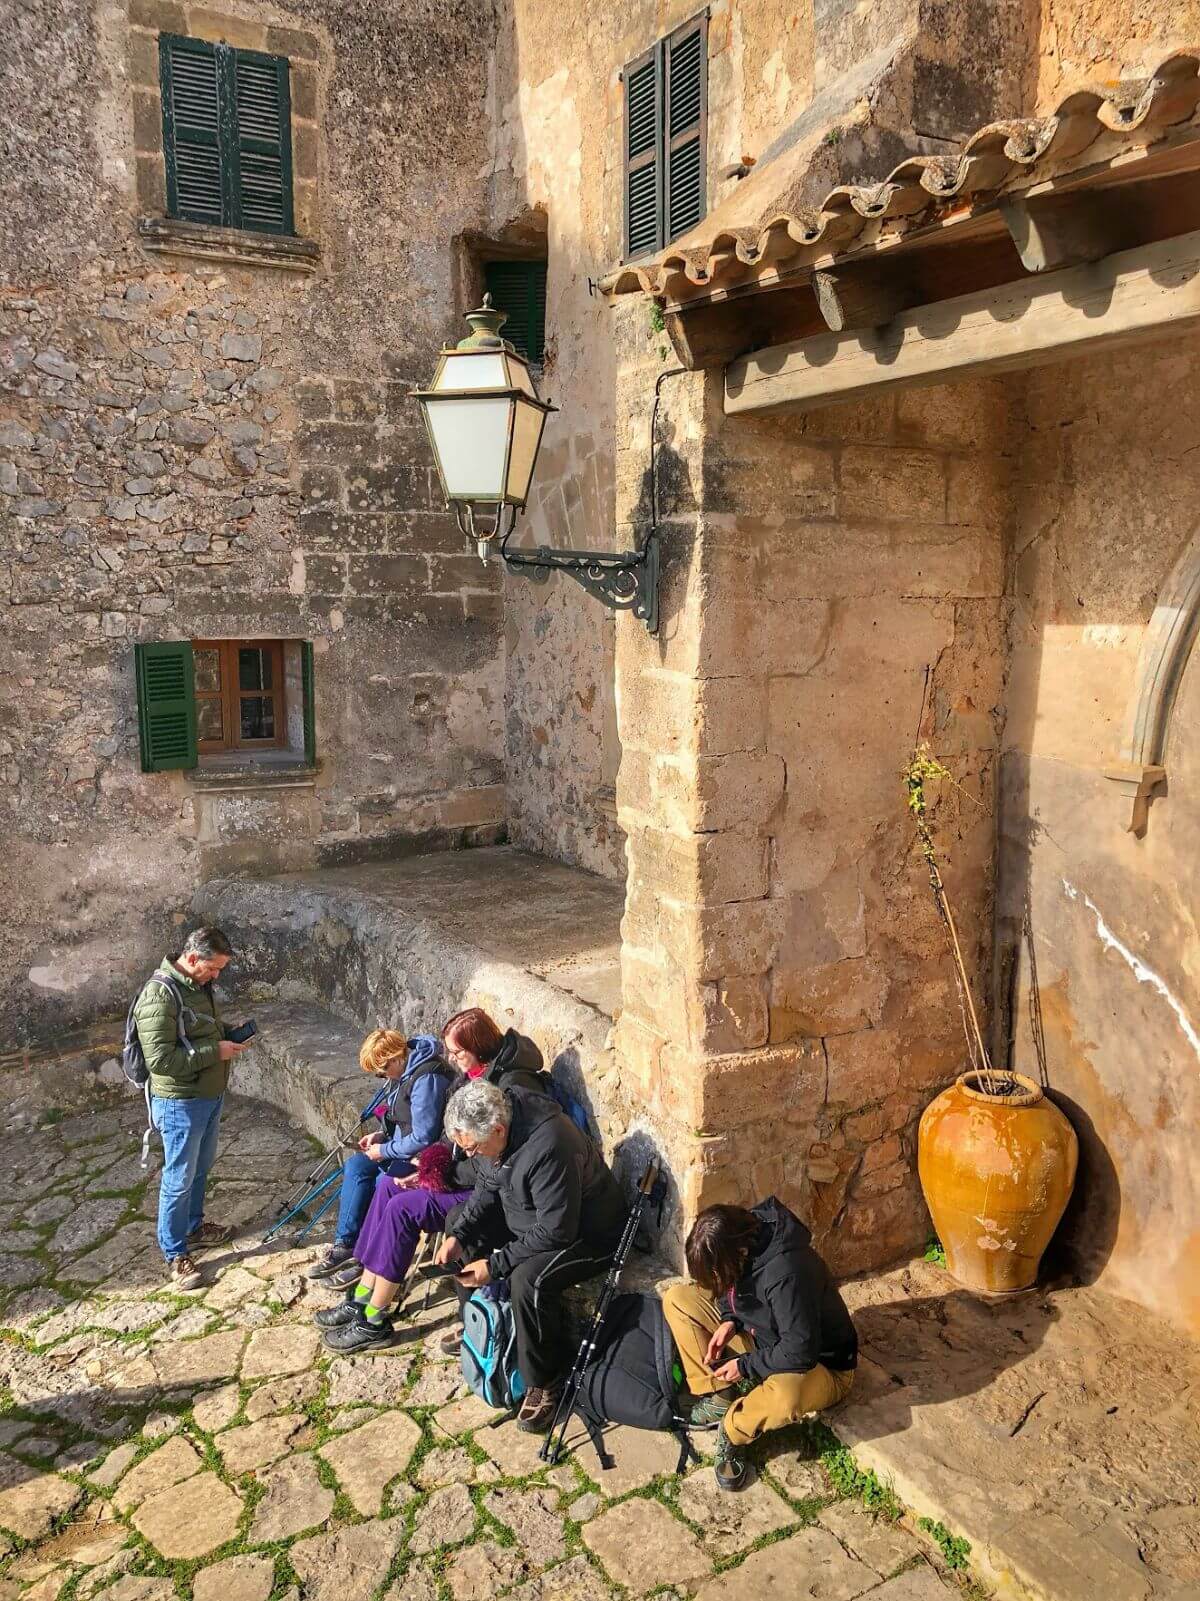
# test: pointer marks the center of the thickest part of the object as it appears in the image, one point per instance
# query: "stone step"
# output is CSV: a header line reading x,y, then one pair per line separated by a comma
x,y
304,1060
406,944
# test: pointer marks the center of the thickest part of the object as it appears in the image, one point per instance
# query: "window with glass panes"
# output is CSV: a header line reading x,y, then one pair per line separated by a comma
x,y
238,688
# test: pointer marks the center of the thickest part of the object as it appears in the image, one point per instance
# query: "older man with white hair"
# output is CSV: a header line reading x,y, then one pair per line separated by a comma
x,y
545,1213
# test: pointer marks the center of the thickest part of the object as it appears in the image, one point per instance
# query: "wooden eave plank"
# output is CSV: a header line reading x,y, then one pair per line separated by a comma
x,y
1122,299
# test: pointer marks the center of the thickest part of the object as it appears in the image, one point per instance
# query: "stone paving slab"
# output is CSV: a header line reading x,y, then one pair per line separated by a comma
x,y
1055,1431
216,1428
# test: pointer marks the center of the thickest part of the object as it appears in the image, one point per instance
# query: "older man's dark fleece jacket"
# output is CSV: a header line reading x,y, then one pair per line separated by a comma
x,y
548,1189
788,1301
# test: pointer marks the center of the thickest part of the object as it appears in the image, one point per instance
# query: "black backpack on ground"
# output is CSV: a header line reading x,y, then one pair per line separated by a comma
x,y
133,1058
634,1377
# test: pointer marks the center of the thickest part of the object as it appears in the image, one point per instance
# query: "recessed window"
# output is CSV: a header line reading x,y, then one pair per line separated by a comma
x,y
238,701
518,288
239,694
666,118
227,135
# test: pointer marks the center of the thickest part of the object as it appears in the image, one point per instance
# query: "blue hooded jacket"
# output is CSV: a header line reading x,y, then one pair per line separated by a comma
x,y
427,1100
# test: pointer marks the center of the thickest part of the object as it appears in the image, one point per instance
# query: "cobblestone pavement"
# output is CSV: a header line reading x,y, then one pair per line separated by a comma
x,y
156,1445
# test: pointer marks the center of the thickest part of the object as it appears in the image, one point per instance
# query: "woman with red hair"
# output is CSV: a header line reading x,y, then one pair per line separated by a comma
x,y
476,1046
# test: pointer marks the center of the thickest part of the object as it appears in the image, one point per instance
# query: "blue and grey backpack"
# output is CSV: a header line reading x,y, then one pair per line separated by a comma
x,y
489,1348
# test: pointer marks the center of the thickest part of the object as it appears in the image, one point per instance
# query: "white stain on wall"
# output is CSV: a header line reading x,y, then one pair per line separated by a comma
x,y
1139,969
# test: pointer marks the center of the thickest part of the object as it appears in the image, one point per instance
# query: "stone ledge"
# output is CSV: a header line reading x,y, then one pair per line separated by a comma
x,y
173,237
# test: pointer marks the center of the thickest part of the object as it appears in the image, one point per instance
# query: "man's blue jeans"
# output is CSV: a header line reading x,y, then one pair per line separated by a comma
x,y
189,1132
359,1178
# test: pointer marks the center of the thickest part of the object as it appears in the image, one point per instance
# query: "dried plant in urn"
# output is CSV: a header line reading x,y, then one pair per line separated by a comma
x,y
996,1158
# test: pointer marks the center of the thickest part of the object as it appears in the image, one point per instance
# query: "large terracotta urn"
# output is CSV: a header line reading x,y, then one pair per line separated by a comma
x,y
997,1166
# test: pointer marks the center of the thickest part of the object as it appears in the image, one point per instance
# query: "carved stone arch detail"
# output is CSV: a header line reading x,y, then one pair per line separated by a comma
x,y
1166,647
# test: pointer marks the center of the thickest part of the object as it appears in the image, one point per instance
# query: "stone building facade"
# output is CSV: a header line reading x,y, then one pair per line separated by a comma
x,y
198,445
202,445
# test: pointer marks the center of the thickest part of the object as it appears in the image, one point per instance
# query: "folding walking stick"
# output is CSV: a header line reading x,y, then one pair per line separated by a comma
x,y
552,1448
323,1182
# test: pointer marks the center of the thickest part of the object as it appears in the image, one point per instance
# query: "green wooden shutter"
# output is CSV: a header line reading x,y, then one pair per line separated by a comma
x,y
191,100
166,706
519,288
227,135
310,703
643,144
263,183
685,126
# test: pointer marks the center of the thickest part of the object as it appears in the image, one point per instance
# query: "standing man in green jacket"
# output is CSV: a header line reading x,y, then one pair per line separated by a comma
x,y
187,1088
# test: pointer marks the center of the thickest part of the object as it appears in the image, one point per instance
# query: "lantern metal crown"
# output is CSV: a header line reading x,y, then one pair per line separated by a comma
x,y
485,421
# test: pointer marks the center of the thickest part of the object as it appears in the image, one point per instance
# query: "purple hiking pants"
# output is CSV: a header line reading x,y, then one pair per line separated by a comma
x,y
387,1241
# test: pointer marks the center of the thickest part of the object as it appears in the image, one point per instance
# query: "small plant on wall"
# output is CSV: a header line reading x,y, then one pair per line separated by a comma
x,y
996,1158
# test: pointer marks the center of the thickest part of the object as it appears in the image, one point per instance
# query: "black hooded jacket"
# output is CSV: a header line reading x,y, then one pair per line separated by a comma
x,y
788,1301
517,1064
551,1187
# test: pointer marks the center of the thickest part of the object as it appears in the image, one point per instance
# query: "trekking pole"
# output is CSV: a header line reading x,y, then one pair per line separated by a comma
x,y
319,1180
552,1450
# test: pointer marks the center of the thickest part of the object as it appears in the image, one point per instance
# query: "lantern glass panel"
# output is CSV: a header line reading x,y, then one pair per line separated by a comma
x,y
527,432
469,369
519,376
470,438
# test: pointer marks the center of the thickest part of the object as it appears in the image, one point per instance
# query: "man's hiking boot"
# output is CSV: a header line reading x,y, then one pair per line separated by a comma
x,y
360,1333
538,1409
709,1411
184,1274
341,1312
337,1256
450,1343
210,1234
346,1277
733,1467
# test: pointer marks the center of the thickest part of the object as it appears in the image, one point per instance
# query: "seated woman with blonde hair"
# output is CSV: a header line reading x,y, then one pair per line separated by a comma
x,y
419,1082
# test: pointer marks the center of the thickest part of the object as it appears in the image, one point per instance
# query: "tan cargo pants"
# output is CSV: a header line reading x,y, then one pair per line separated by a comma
x,y
780,1399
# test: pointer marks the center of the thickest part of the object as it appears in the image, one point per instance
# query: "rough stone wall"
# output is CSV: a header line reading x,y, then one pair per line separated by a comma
x,y
934,70
195,449
1100,41
1105,502
834,585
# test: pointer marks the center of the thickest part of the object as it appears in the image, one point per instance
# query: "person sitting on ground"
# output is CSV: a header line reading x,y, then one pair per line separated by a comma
x,y
410,1119
763,1307
476,1046
545,1213
401,1210
187,1091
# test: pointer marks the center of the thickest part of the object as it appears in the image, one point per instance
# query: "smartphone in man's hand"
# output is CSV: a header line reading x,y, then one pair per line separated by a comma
x,y
245,1031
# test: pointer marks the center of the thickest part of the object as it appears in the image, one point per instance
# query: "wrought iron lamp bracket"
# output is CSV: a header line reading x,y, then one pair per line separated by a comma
x,y
625,580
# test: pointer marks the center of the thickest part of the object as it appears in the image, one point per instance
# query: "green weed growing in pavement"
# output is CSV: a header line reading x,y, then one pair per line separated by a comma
x,y
849,1479
935,1251
955,1549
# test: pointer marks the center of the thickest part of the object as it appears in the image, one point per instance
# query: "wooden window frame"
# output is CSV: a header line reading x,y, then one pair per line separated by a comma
x,y
231,695
664,145
228,140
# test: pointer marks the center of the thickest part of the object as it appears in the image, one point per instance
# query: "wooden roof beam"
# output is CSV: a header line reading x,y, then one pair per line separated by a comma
x,y
862,295
1134,295
1052,231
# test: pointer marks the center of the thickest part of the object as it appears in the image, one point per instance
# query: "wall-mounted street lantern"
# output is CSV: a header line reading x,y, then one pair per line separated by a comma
x,y
485,422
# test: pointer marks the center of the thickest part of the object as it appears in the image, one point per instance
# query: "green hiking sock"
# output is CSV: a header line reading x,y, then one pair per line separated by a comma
x,y
362,1292
374,1313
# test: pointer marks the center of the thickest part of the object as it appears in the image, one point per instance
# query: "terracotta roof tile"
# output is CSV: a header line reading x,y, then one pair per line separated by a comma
x,y
1001,157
